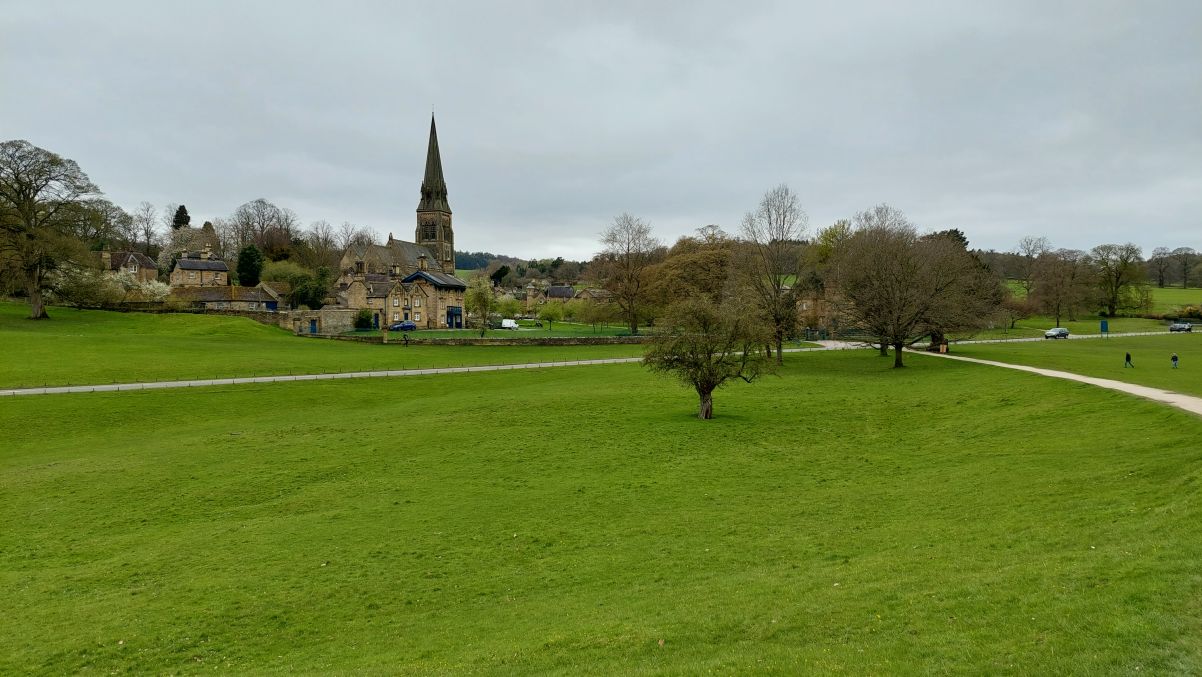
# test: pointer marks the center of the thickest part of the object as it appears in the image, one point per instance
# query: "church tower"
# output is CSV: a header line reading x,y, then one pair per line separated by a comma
x,y
433,212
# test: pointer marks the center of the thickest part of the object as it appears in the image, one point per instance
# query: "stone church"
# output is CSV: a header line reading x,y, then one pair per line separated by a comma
x,y
412,281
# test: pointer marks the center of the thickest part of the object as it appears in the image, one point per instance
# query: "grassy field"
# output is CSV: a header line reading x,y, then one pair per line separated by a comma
x,y
1169,299
528,330
89,347
1032,327
839,517
1104,358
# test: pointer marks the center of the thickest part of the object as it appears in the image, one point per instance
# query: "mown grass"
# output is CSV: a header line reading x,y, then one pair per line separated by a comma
x,y
1035,326
1170,299
1104,358
841,517
92,347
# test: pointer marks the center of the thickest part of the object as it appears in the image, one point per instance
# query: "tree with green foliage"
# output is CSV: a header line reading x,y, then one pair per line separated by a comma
x,y
498,275
363,319
181,218
250,265
480,301
706,344
41,195
509,307
551,312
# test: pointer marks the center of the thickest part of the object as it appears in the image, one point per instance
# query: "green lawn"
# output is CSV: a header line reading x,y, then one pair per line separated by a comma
x,y
841,517
1104,358
88,347
1170,299
1035,326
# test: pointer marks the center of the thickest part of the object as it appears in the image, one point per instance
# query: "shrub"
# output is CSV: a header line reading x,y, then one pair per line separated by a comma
x,y
363,319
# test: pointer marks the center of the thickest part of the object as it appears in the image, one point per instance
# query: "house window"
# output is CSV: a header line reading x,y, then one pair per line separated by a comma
x,y
133,267
396,301
396,316
252,306
191,274
417,317
417,303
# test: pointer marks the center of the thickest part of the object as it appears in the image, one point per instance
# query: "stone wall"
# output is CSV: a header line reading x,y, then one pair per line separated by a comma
x,y
414,339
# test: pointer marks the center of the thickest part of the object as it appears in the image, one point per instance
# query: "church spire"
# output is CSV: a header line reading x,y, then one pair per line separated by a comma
x,y
434,186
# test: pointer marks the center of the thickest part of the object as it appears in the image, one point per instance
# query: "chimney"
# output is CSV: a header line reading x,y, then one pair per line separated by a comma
x,y
421,262
106,260
206,252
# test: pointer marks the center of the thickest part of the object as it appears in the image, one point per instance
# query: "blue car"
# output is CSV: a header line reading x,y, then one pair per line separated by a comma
x,y
407,325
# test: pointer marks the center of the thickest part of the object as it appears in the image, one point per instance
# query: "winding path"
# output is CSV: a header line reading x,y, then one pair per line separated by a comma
x,y
1189,403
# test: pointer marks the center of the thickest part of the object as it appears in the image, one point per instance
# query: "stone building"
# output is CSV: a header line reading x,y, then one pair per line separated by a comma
x,y
412,281
141,266
199,269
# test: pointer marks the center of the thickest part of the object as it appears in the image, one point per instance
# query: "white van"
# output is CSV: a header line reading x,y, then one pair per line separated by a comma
x,y
509,324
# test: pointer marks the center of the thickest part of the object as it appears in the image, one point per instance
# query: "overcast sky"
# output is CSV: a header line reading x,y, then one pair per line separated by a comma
x,y
1080,121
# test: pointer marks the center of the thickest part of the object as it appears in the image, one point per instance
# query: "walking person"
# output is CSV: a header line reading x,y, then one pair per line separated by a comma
x,y
1174,359
1128,362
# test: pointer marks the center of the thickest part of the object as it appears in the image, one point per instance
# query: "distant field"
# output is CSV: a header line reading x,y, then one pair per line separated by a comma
x,y
1035,326
87,347
841,517
1104,358
1169,299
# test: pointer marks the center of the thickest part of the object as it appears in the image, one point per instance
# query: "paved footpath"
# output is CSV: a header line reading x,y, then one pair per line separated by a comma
x,y
113,387
1187,402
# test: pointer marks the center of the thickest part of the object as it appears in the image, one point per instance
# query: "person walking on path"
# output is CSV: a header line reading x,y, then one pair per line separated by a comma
x,y
1174,359
1128,362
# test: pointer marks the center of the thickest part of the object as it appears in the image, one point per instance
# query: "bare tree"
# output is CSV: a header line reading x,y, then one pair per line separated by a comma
x,y
1119,268
1030,248
627,254
40,198
349,234
768,262
1185,258
900,287
1159,264
705,345
168,217
1062,284
145,224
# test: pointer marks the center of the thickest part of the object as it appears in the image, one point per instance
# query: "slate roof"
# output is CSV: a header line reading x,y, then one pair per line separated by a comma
x,y
225,293
439,280
561,291
202,264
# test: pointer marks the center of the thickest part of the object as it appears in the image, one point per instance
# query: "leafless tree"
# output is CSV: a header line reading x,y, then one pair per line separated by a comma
x,y
349,234
1062,284
768,262
167,219
900,287
1185,258
146,225
1030,248
1159,264
321,242
1119,269
628,250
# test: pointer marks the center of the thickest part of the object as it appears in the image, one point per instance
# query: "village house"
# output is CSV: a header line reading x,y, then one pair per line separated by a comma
x,y
258,298
199,269
141,266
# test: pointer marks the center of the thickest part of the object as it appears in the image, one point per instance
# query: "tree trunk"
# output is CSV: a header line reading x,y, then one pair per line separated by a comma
x,y
780,343
936,341
705,410
634,327
37,305
884,348
897,355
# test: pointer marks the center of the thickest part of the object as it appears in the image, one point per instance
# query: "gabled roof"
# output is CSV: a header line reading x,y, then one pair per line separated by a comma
x,y
202,264
440,280
561,291
119,260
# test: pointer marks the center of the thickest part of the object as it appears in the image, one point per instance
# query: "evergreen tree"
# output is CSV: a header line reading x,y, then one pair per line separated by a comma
x,y
181,218
250,265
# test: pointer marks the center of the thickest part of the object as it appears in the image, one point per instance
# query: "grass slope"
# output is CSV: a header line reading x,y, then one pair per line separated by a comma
x,y
840,517
88,347
1104,358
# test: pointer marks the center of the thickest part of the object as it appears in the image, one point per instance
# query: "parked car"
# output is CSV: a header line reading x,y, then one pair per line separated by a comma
x,y
407,325
509,324
1181,326
1056,333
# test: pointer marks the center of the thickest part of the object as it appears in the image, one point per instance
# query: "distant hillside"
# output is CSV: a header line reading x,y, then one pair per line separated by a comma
x,y
477,260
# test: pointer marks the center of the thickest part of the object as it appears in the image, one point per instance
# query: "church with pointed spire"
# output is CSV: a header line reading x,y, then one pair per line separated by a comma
x,y
410,281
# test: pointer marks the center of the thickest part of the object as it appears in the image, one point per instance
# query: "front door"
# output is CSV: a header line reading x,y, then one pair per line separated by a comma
x,y
375,321
312,326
